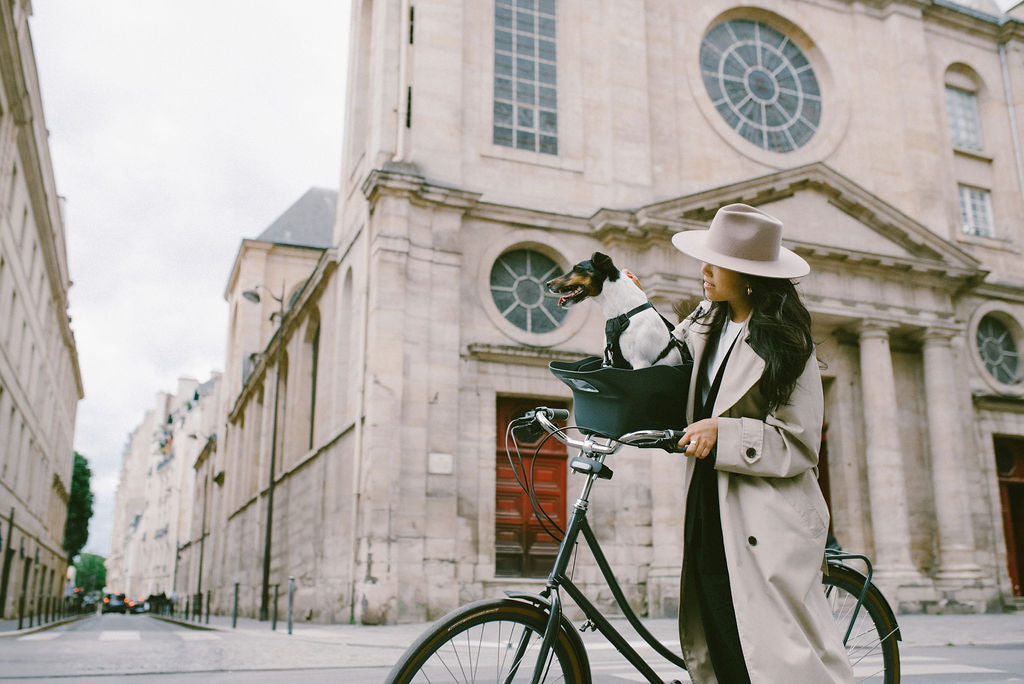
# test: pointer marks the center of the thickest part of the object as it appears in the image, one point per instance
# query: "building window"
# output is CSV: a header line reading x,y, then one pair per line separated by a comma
x,y
762,84
525,82
976,211
964,122
517,286
998,350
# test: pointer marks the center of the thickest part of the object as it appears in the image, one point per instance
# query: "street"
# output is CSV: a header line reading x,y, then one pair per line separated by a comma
x,y
106,648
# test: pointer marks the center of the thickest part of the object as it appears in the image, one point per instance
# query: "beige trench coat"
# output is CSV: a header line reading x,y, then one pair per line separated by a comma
x,y
774,523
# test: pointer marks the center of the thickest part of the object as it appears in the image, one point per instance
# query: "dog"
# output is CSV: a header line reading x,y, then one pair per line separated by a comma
x,y
636,335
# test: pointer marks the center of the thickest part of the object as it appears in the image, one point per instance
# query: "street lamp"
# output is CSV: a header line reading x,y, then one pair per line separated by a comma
x,y
254,296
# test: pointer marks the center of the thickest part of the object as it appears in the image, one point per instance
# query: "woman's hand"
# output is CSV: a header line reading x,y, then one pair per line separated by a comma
x,y
699,438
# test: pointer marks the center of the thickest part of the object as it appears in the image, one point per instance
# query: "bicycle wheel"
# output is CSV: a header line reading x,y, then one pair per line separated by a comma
x,y
873,641
488,641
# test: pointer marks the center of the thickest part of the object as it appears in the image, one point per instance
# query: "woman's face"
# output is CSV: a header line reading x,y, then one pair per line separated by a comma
x,y
723,285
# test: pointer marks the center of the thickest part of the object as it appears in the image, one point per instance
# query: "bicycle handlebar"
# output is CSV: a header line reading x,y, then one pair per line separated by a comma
x,y
644,439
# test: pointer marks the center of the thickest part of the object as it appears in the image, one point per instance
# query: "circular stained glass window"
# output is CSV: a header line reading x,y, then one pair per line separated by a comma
x,y
761,83
517,286
998,350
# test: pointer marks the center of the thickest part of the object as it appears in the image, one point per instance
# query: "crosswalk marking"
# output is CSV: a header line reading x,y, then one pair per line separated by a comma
x,y
116,635
198,636
120,635
914,666
40,636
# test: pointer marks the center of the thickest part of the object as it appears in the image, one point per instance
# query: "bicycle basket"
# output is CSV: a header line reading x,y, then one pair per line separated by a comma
x,y
613,401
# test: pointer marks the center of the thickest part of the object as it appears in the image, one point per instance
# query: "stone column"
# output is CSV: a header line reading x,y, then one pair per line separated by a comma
x,y
886,485
949,448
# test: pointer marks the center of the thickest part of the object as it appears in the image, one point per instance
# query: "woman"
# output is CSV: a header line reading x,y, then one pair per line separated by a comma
x,y
752,606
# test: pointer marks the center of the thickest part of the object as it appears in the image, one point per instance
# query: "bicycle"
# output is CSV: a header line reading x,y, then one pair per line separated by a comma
x,y
528,638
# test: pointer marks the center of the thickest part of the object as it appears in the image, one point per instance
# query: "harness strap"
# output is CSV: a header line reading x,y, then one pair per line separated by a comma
x,y
613,329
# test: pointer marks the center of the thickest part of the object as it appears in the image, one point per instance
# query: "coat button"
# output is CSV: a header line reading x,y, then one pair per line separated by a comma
x,y
751,452
752,540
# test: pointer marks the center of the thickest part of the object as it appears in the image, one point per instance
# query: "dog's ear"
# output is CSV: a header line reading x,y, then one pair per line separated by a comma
x,y
603,264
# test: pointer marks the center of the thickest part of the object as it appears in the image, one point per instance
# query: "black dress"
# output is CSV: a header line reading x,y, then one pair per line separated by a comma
x,y
705,550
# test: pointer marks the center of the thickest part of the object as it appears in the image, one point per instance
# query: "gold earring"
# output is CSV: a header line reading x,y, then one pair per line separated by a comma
x,y
749,291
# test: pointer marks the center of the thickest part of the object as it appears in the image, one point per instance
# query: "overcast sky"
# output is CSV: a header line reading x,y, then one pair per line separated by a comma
x,y
177,128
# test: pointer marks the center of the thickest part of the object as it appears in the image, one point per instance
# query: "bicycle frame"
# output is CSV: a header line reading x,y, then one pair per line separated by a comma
x,y
590,463
558,579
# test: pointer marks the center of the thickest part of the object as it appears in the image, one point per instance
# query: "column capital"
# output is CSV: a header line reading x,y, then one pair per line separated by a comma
x,y
939,335
873,327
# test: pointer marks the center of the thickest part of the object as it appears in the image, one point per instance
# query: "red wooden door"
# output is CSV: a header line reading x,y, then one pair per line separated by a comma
x,y
1010,469
522,548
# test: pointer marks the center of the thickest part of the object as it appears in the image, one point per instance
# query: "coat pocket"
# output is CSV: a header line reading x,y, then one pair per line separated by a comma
x,y
803,495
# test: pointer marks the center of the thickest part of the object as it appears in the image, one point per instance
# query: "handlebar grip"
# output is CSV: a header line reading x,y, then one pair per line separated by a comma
x,y
555,414
670,442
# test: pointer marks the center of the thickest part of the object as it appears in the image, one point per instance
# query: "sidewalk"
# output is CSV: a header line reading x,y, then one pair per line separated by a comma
x,y
917,630
9,628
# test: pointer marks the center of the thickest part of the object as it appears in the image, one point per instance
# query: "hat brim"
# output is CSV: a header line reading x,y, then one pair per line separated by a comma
x,y
787,265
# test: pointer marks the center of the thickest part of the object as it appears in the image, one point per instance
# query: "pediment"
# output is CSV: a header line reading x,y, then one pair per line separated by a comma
x,y
826,215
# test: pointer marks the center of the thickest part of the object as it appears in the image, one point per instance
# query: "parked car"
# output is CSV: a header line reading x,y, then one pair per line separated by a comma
x,y
114,603
137,606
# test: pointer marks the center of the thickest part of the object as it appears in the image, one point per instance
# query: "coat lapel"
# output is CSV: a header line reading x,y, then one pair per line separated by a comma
x,y
742,371
697,343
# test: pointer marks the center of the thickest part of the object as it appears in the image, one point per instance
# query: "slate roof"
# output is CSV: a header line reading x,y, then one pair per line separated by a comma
x,y
307,223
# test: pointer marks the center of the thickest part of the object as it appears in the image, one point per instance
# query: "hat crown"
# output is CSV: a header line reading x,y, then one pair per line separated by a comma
x,y
743,232
743,239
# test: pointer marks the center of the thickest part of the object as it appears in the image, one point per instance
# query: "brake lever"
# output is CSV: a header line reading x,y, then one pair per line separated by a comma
x,y
669,443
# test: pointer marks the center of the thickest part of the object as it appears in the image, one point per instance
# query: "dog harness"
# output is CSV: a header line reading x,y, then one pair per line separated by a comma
x,y
613,329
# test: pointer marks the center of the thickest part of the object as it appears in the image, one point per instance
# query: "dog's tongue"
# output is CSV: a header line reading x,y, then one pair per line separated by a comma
x,y
561,301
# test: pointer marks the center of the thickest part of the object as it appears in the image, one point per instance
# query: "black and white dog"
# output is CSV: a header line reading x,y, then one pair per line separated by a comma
x,y
636,335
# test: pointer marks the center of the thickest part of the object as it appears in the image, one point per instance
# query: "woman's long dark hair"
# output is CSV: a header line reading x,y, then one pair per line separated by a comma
x,y
780,333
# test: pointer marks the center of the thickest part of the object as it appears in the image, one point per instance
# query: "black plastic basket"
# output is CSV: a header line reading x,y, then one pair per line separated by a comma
x,y
613,401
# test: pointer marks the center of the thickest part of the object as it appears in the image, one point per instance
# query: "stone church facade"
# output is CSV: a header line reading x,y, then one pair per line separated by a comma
x,y
490,145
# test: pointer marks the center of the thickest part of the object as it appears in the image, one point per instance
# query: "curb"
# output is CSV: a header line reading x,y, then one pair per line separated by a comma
x,y
184,623
42,628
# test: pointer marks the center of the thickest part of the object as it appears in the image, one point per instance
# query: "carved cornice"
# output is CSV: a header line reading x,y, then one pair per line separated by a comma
x,y
520,354
405,180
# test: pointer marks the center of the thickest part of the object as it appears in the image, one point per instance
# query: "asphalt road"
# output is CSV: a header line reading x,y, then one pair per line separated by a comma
x,y
109,648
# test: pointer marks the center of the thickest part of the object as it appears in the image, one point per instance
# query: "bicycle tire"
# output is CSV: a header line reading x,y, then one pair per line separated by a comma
x,y
873,644
493,640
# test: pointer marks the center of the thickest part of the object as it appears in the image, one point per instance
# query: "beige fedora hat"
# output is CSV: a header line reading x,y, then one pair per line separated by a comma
x,y
743,239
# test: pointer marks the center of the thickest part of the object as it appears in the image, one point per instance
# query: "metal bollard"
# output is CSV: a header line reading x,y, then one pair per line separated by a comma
x,y
273,619
208,592
291,601
234,611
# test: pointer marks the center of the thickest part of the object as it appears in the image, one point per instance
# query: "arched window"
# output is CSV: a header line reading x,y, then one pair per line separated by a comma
x,y
282,412
962,111
313,350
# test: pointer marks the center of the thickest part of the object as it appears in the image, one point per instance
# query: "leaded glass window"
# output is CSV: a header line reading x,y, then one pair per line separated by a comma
x,y
976,211
525,79
762,84
517,286
964,122
998,350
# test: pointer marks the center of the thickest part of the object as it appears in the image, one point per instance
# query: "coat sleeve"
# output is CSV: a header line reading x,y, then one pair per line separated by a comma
x,y
783,444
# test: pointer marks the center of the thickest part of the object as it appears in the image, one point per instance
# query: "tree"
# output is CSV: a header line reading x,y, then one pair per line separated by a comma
x,y
91,573
76,529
